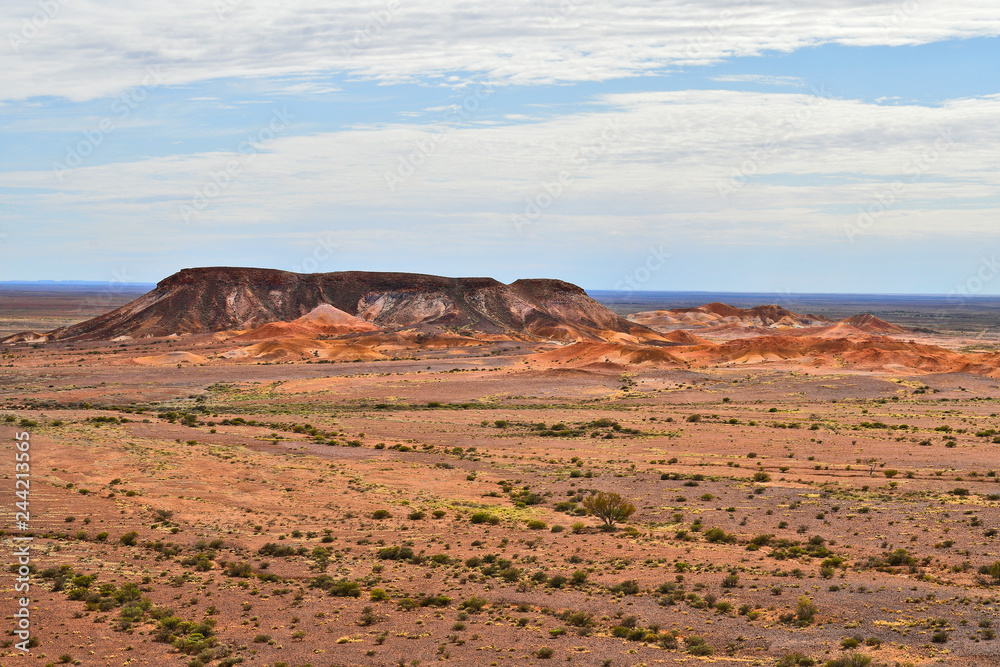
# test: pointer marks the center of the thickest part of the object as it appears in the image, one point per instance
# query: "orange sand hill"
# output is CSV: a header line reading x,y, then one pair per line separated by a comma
x,y
871,324
26,337
324,319
289,349
170,358
685,338
872,353
724,315
584,354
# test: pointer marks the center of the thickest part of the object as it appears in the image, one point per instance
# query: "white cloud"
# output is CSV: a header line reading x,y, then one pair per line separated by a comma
x,y
90,49
792,166
763,79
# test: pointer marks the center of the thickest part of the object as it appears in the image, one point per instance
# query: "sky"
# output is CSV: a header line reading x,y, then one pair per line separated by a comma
x,y
780,146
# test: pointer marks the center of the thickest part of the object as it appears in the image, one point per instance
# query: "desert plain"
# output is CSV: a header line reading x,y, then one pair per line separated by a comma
x,y
423,499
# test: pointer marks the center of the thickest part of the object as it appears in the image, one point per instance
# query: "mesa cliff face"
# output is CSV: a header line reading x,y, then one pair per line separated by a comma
x,y
213,299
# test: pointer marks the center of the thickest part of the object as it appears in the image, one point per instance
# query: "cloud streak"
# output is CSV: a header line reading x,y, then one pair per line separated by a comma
x,y
90,49
660,175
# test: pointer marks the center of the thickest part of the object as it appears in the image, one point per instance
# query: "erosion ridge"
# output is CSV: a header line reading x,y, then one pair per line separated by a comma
x,y
723,315
212,299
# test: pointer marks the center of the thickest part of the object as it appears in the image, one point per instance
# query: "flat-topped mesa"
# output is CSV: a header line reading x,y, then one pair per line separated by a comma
x,y
209,299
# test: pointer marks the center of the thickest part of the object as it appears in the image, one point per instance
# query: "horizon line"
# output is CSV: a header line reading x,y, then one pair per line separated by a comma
x,y
786,296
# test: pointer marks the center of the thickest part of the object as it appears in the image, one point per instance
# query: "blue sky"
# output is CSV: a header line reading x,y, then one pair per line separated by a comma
x,y
747,146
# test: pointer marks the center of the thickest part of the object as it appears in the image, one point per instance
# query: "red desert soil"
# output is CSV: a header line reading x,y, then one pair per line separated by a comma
x,y
794,495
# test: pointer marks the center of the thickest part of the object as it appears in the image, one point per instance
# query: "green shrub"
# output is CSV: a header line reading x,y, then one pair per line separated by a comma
x,y
240,569
806,610
610,508
697,646
474,604
852,660
344,588
718,535
628,587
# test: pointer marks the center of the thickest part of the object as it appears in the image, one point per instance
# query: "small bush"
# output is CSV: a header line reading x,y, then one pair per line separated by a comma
x,y
474,604
610,508
852,660
241,569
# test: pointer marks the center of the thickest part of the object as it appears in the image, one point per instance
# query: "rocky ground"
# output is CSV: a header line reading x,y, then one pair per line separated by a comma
x,y
430,510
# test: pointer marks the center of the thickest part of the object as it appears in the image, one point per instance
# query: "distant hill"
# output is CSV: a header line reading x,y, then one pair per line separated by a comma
x,y
723,315
870,324
202,300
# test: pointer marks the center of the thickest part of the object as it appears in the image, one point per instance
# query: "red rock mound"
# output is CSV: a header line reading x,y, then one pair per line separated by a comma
x,y
723,315
871,324
219,299
586,354
324,319
685,337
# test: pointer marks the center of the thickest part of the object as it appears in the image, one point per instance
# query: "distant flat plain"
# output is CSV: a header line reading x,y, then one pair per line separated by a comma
x,y
980,314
